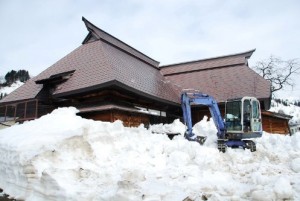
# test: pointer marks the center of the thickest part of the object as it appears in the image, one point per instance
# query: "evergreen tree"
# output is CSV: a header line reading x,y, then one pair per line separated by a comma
x,y
13,76
23,75
10,77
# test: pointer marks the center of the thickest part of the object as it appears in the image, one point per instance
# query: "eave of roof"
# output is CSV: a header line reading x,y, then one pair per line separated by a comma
x,y
116,84
111,107
277,115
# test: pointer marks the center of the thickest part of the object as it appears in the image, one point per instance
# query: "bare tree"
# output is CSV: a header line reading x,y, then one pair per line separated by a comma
x,y
279,72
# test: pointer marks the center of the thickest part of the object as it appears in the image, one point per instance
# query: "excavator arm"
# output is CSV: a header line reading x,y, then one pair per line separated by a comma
x,y
188,99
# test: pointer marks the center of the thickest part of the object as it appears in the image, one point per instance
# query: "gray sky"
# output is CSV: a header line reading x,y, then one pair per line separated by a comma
x,y
37,33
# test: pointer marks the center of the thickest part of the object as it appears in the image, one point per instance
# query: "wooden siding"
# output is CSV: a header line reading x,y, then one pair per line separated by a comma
x,y
275,125
129,119
24,111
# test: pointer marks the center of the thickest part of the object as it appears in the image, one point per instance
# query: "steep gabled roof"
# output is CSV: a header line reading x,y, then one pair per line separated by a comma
x,y
222,77
97,64
96,33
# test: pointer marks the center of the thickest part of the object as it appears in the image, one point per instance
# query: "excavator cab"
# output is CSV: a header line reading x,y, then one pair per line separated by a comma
x,y
243,118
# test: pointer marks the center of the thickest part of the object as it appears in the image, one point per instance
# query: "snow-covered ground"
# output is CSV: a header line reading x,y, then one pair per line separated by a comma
x,y
62,156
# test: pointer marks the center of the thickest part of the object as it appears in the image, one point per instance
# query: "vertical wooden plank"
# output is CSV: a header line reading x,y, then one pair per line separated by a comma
x,y
15,115
36,108
111,116
5,113
25,110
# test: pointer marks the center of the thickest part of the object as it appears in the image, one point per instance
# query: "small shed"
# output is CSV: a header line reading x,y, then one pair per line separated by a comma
x,y
276,122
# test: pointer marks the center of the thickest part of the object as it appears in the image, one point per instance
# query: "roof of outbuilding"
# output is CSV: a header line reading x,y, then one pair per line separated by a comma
x,y
277,115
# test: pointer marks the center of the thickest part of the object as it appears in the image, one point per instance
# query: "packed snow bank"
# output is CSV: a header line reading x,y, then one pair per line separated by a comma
x,y
64,157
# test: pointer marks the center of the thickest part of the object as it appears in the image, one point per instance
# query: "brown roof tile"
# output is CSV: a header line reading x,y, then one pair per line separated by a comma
x,y
222,61
222,77
224,83
96,64
100,34
28,90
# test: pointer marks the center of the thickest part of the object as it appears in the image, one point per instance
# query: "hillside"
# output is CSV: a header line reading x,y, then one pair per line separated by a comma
x,y
8,89
287,107
12,80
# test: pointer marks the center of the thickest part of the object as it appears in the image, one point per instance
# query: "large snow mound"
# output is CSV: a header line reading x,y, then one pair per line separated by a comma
x,y
62,156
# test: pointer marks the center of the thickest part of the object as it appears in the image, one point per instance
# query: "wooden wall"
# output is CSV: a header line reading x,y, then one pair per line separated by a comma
x,y
275,125
129,119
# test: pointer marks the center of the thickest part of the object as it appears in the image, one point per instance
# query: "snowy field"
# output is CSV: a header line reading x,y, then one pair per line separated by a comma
x,y
62,156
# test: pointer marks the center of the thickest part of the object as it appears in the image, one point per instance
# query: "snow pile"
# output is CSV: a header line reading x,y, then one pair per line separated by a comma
x,y
64,157
175,127
9,89
291,110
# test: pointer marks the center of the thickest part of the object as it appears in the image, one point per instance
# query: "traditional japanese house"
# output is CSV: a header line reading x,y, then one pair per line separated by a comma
x,y
107,79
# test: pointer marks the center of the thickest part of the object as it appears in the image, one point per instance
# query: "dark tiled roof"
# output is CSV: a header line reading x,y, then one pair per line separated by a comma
x,y
103,60
100,34
27,91
216,62
222,77
96,64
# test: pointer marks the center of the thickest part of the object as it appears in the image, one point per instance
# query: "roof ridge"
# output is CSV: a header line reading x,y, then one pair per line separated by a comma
x,y
247,55
89,24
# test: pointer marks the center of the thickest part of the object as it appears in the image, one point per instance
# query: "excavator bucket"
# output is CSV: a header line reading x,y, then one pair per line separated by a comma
x,y
200,139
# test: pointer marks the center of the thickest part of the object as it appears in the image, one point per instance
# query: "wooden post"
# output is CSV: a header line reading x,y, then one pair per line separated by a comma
x,y
15,115
36,108
25,110
5,113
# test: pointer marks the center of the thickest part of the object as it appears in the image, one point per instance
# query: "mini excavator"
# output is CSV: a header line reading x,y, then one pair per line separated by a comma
x,y
242,120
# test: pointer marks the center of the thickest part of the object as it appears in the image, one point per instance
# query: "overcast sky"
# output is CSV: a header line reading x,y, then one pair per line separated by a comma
x,y
37,33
